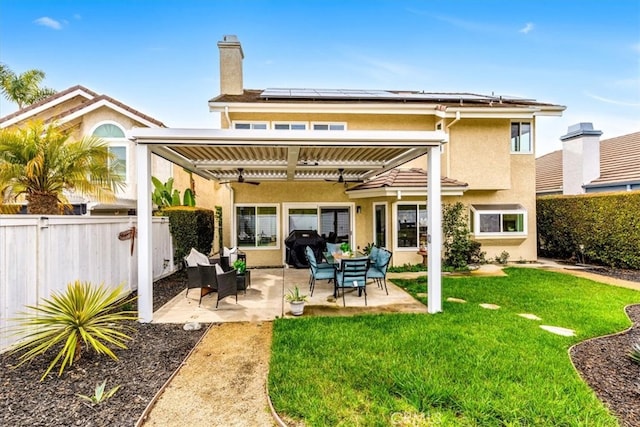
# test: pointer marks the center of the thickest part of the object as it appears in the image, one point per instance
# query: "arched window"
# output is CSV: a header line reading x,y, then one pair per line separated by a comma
x,y
115,136
108,130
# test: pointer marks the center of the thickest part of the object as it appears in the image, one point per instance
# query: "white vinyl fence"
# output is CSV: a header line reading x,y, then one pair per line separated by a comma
x,y
41,255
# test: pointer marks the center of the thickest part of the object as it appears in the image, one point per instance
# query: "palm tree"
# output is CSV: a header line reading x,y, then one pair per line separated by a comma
x,y
23,89
40,161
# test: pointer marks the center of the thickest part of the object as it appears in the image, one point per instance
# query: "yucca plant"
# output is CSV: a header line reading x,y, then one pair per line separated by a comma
x,y
84,316
635,353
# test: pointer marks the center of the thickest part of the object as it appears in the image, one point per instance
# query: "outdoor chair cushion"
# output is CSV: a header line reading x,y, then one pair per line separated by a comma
x,y
231,253
333,248
194,258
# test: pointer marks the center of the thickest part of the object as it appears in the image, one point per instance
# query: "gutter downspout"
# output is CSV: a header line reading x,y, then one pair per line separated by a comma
x,y
448,150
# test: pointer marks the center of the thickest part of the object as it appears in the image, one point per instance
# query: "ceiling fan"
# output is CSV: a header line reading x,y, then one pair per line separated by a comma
x,y
341,178
241,179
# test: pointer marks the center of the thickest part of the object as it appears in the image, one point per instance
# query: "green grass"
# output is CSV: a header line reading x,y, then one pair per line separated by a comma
x,y
467,366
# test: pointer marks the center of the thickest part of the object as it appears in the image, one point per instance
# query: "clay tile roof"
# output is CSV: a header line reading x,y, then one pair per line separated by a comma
x,y
95,98
47,100
549,173
403,178
619,159
619,163
113,101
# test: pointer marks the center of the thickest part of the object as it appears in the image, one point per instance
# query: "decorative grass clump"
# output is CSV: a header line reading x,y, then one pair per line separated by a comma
x,y
84,315
467,366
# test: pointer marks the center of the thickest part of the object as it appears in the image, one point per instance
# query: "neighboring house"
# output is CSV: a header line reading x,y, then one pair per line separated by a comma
x,y
587,165
87,113
325,160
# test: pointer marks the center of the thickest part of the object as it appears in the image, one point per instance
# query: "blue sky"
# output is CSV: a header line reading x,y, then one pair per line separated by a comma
x,y
161,58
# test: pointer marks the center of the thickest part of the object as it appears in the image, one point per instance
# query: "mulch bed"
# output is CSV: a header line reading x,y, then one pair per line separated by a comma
x,y
157,350
154,353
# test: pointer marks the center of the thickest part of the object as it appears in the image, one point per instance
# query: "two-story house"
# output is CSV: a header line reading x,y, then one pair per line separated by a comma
x,y
361,166
86,113
488,164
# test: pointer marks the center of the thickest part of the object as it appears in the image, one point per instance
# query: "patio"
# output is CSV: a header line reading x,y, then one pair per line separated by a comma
x,y
264,300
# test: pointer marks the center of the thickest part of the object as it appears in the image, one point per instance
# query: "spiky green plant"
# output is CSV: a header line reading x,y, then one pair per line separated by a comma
x,y
84,315
635,353
99,395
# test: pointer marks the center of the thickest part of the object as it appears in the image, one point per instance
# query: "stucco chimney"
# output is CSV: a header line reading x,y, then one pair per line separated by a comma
x,y
580,157
231,57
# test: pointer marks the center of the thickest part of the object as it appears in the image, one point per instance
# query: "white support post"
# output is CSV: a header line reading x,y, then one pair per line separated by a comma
x,y
434,242
145,243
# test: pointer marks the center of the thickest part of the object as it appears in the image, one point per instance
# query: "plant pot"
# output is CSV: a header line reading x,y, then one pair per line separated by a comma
x,y
297,307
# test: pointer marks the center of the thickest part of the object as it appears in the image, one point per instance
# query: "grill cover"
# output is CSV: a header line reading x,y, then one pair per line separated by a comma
x,y
296,243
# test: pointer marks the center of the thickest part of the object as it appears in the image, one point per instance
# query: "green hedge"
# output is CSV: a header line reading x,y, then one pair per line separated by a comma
x,y
606,225
190,228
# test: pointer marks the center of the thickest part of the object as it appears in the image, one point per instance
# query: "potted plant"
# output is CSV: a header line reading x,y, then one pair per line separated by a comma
x,y
296,300
244,276
345,248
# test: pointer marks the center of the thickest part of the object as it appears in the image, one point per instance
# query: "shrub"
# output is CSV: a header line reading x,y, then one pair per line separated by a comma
x,y
503,258
607,226
459,249
84,314
190,228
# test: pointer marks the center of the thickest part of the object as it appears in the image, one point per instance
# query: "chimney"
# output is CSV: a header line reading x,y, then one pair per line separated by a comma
x,y
580,157
231,57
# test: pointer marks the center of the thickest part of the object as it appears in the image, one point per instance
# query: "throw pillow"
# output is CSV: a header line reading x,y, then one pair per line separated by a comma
x,y
219,269
194,258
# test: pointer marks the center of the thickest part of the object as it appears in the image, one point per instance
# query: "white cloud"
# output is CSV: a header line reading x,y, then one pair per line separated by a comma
x,y
77,16
527,28
45,21
612,101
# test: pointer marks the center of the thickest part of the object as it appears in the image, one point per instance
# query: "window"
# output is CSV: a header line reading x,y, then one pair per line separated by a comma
x,y
114,135
411,225
521,138
249,125
329,126
108,130
119,160
498,220
290,126
257,226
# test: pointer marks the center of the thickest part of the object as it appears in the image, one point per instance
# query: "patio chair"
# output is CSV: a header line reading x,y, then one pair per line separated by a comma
x,y
194,273
352,274
377,271
227,285
317,271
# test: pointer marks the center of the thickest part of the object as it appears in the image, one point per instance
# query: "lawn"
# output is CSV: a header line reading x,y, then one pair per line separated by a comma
x,y
466,366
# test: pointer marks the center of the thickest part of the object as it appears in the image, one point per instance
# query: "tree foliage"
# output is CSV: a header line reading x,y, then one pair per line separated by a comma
x,y
164,195
459,249
42,161
24,89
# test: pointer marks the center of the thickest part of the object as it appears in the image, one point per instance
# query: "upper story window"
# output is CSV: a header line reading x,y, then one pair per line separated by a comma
x,y
114,134
521,141
108,130
498,220
329,126
119,160
250,125
290,126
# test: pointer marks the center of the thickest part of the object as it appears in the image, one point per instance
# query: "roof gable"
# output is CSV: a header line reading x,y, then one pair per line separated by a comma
x,y
62,112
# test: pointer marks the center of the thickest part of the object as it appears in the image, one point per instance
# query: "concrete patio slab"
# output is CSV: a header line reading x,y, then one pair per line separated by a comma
x,y
264,300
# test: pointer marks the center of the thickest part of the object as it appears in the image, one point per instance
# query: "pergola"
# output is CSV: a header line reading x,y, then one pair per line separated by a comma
x,y
285,155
